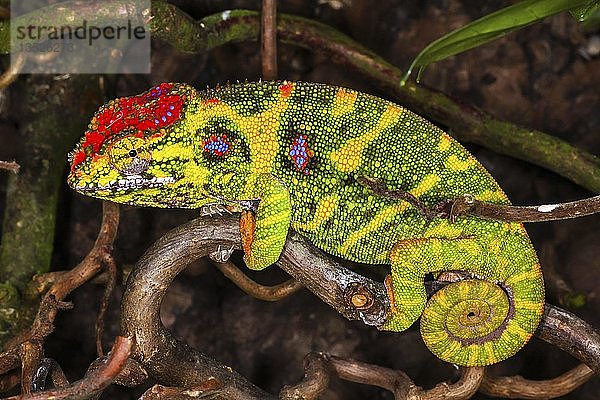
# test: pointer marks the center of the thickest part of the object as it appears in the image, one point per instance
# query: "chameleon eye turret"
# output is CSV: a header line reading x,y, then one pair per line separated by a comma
x,y
129,155
300,151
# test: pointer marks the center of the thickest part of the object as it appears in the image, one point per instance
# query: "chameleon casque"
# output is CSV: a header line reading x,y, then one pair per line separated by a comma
x,y
298,151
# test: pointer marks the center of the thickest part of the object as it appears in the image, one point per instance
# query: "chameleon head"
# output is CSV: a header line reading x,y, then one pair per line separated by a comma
x,y
136,151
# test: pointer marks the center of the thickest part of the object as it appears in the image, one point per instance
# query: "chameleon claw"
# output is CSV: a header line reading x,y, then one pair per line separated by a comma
x,y
214,209
221,255
249,205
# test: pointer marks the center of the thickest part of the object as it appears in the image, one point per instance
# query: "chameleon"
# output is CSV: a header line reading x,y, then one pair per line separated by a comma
x,y
296,155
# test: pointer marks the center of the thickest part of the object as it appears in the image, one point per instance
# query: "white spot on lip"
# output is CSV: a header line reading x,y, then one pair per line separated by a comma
x,y
547,207
130,182
225,15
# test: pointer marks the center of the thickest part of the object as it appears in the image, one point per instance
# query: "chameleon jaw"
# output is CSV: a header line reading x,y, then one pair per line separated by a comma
x,y
127,183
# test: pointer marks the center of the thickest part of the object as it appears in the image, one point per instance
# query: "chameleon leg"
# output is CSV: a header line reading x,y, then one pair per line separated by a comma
x,y
471,322
264,236
247,229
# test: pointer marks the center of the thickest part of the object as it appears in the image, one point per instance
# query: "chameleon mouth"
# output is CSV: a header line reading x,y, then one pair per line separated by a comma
x,y
128,183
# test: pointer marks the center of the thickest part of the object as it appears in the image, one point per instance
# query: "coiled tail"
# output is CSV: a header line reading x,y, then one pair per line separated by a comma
x,y
483,318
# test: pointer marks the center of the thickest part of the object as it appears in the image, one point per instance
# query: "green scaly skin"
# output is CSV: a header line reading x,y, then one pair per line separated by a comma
x,y
298,150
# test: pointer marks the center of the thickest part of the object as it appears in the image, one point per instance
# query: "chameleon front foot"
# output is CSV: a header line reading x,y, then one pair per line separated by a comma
x,y
264,231
247,228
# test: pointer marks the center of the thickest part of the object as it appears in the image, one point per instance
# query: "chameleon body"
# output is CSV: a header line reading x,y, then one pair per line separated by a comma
x,y
299,151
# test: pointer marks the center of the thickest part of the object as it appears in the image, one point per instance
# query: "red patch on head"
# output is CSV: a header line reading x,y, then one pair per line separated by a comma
x,y
153,110
286,89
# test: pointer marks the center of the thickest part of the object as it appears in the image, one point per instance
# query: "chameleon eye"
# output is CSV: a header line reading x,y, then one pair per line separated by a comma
x,y
129,156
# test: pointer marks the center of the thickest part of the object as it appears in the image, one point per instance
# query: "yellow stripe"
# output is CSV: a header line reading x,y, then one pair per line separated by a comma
x,y
271,219
452,349
522,333
435,337
259,130
469,246
325,209
349,156
522,276
454,163
488,348
473,354
494,245
492,195
343,103
425,185
528,305
382,217
388,213
443,229
445,142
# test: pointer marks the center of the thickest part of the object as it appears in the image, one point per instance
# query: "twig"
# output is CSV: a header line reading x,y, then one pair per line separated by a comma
x,y
464,388
319,367
352,295
70,280
17,354
111,269
11,166
169,361
317,374
268,36
379,188
548,212
468,205
519,387
95,381
256,290
32,353
132,375
571,334
9,360
402,386
93,261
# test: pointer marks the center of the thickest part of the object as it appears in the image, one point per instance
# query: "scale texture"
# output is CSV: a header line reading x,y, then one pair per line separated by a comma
x,y
299,151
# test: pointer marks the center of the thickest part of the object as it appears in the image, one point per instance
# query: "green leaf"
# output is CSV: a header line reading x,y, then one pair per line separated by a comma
x,y
488,28
584,12
589,15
